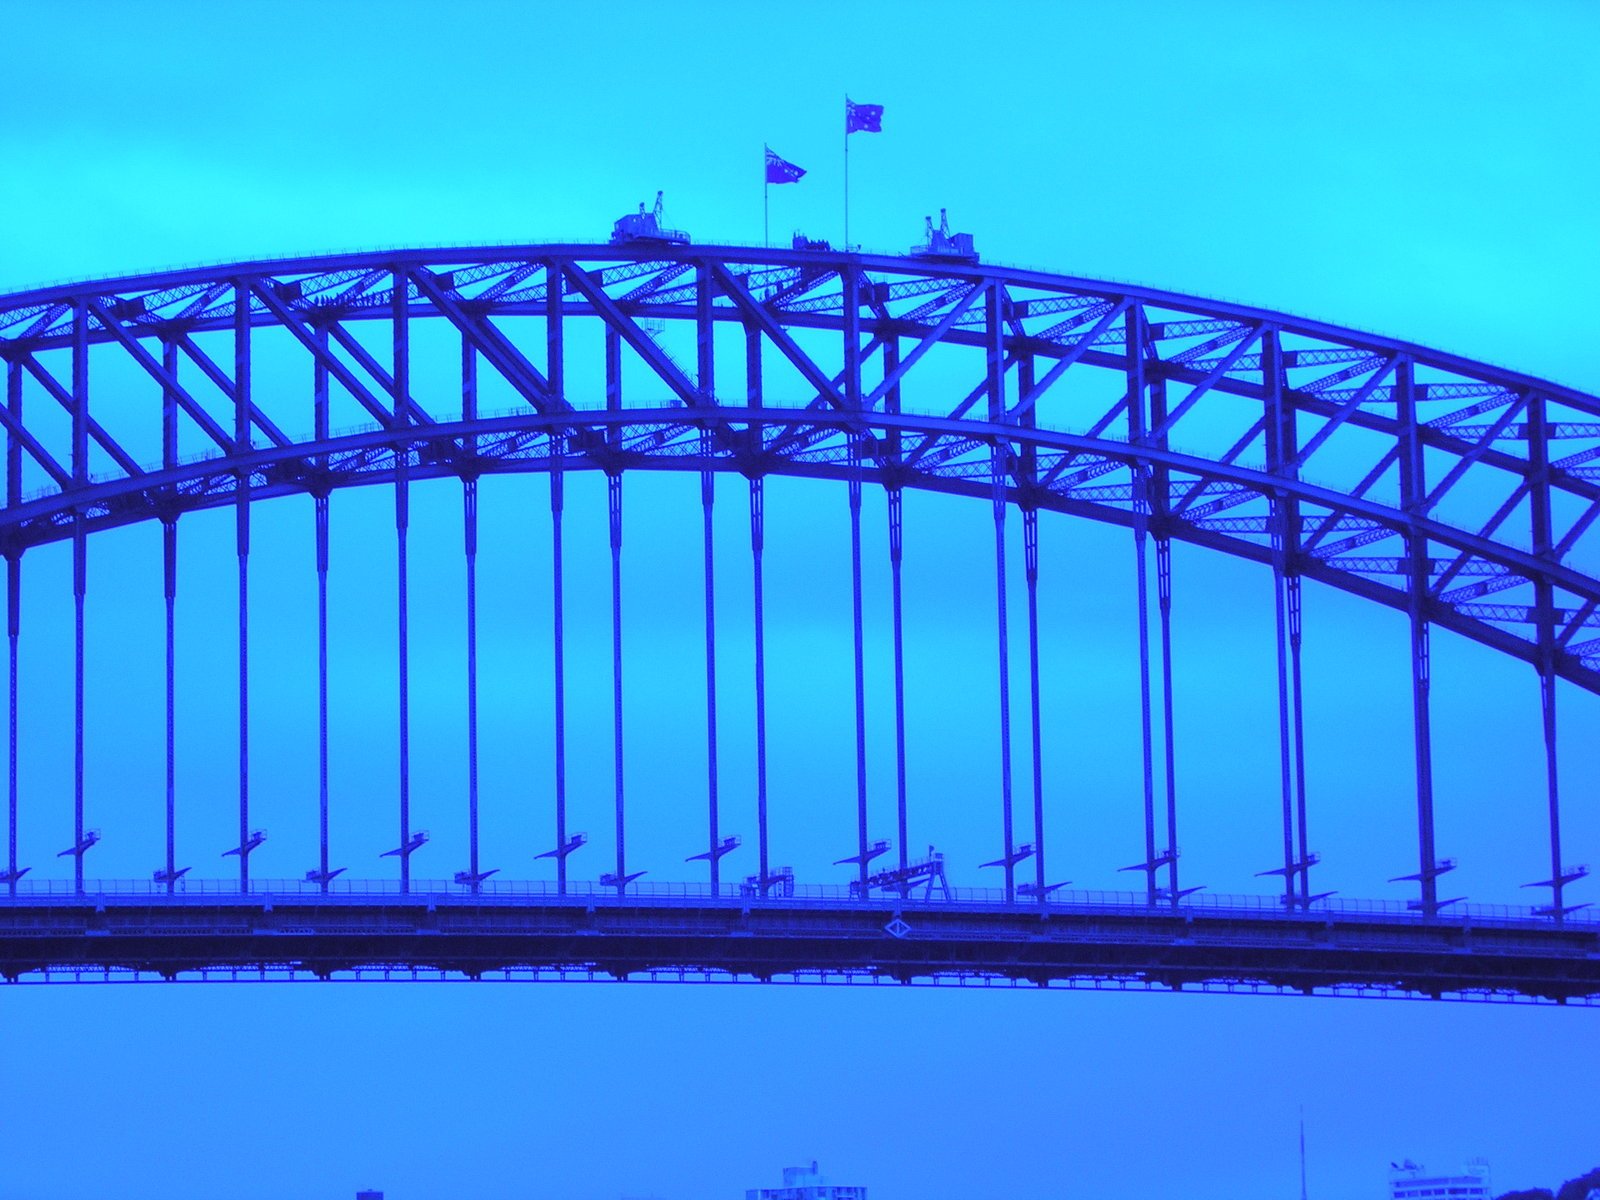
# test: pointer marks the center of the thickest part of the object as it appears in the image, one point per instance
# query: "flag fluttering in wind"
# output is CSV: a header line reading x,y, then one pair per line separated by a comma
x,y
781,170
862,118
858,118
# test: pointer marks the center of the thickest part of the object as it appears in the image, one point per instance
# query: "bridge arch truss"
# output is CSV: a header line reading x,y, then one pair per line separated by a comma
x,y
1460,494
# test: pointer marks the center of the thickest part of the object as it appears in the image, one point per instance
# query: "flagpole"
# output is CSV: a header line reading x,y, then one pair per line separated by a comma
x,y
847,174
766,200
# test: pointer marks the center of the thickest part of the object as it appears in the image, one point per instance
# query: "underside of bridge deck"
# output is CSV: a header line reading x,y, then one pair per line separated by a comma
x,y
770,938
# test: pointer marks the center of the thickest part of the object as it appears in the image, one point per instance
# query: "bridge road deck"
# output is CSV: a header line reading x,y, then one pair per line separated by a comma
x,y
1074,938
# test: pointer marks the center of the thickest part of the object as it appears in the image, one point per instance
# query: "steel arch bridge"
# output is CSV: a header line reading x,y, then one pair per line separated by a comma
x,y
1462,495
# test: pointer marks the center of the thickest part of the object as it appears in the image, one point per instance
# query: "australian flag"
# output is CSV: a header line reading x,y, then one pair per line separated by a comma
x,y
862,118
782,171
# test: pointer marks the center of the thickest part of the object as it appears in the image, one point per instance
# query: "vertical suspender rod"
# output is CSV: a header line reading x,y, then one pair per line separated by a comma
x,y
705,344
241,438
469,501
402,520
80,476
1160,494
79,582
319,402
1539,454
896,555
756,540
1164,600
614,507
850,289
13,613
1412,494
1030,560
1282,450
169,556
859,648
558,639
1299,729
1008,861
1030,550
891,361
555,342
707,500
755,398
998,467
1279,455
614,499
469,513
1280,606
1137,399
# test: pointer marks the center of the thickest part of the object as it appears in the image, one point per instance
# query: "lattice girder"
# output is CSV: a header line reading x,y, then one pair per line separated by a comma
x,y
1381,467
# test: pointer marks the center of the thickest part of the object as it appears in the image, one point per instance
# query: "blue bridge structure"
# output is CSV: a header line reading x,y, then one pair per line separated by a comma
x,y
1461,495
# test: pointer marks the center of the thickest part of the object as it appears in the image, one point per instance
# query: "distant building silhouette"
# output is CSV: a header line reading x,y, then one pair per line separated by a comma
x,y
1409,1181
805,1183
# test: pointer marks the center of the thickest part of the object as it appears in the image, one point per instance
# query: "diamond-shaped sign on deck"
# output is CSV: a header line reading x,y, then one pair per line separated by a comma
x,y
897,928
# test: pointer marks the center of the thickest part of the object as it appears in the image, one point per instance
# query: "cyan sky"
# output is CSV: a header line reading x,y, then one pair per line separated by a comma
x,y
1424,170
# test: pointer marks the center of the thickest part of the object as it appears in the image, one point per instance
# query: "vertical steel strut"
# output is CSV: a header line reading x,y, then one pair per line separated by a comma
x,y
1281,444
896,554
1413,496
1028,470
1009,861
1538,432
1285,742
1150,491
706,364
469,513
756,538
559,641
708,494
1164,601
13,613
1160,503
891,362
755,398
402,520
859,648
13,628
994,349
850,303
241,438
80,477
613,352
469,502
79,584
242,535
1297,857
1428,869
1558,875
555,361
169,556
1030,552
1133,338
321,518
1146,728
1297,700
403,657
614,498
320,501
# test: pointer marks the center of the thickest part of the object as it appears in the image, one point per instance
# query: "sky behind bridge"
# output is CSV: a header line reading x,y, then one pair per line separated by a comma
x,y
1422,170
